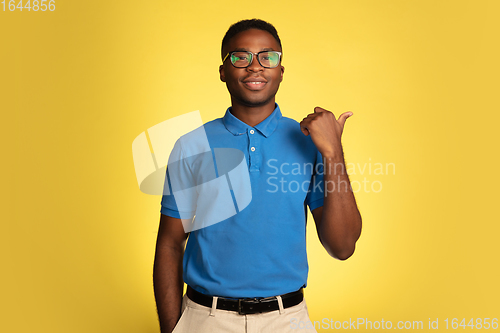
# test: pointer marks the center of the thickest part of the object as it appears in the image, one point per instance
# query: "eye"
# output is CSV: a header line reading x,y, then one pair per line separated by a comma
x,y
240,59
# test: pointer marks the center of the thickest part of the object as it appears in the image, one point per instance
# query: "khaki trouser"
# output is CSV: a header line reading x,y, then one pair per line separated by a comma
x,y
197,318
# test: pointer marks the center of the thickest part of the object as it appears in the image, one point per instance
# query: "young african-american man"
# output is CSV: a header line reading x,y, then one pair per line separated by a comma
x,y
246,273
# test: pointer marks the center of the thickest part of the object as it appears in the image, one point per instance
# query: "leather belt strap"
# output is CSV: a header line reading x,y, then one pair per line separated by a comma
x,y
247,305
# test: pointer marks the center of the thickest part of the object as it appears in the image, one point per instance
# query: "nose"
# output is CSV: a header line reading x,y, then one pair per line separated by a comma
x,y
255,65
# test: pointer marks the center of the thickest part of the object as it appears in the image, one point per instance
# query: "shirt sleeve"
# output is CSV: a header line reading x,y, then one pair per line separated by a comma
x,y
315,195
179,191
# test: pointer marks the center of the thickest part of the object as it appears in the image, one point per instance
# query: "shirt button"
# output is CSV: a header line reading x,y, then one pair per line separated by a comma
x,y
252,149
252,131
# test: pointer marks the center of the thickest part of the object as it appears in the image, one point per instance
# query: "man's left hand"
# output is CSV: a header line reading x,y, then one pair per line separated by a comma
x,y
325,130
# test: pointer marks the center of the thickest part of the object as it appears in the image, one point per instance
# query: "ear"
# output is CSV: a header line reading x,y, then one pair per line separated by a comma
x,y
221,72
282,71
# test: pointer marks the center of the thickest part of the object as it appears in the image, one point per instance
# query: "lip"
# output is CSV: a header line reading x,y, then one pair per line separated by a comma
x,y
255,79
254,83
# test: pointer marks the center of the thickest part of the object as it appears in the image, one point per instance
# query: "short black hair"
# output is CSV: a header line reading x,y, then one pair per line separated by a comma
x,y
244,25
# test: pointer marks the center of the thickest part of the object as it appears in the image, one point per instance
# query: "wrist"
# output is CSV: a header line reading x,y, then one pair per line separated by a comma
x,y
333,157
332,152
334,166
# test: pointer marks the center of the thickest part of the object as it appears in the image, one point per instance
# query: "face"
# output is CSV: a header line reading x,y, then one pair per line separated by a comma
x,y
255,85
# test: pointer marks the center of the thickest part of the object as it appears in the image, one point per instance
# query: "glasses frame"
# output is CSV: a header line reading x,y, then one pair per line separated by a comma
x,y
251,58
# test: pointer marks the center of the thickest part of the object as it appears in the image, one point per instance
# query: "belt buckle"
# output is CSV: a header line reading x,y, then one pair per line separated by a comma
x,y
241,311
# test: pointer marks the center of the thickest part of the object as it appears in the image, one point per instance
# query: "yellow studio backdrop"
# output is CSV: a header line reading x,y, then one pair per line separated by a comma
x,y
79,83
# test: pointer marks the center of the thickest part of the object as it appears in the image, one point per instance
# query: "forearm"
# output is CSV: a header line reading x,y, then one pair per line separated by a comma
x,y
168,285
340,225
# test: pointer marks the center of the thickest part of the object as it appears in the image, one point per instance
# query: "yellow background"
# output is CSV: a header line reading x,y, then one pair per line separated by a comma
x,y
80,83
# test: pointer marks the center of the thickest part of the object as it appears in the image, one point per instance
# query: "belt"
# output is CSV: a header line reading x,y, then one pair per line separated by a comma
x,y
247,305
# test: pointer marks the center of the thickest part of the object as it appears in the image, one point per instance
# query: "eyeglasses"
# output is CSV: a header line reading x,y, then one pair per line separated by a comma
x,y
243,59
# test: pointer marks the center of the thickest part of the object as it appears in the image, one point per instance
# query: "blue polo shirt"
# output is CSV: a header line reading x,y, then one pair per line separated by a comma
x,y
261,250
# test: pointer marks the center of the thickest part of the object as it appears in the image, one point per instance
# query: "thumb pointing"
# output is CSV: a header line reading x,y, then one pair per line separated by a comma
x,y
343,117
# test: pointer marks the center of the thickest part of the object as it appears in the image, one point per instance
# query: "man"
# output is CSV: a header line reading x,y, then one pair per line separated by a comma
x,y
246,273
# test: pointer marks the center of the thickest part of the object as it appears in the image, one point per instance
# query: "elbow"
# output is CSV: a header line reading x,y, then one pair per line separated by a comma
x,y
343,252
341,247
343,256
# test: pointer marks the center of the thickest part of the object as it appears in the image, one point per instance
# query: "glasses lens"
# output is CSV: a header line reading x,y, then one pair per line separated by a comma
x,y
241,59
269,59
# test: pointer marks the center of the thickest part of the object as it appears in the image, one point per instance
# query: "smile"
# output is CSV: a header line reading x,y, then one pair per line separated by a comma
x,y
254,85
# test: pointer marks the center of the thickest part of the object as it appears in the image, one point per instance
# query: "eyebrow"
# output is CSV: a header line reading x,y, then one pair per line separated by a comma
x,y
245,49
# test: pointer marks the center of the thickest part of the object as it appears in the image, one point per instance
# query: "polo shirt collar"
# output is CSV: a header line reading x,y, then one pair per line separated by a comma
x,y
266,127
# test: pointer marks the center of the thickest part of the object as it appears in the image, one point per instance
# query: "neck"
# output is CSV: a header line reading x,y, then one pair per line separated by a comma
x,y
252,115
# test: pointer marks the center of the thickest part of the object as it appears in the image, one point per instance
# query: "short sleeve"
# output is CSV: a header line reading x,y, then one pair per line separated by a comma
x,y
315,195
179,191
